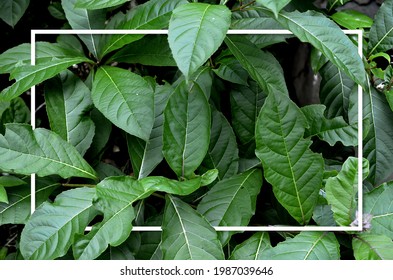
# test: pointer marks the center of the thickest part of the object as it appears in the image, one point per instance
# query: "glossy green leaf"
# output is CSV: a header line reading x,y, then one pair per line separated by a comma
x,y
196,31
186,235
381,33
352,19
146,155
261,65
372,247
30,75
98,4
306,246
317,60
153,14
41,151
231,70
232,201
67,103
274,5
11,181
378,203
336,88
3,195
115,197
151,50
82,19
252,248
186,129
378,144
18,210
223,153
14,111
341,191
330,130
326,36
72,211
126,99
11,11
294,171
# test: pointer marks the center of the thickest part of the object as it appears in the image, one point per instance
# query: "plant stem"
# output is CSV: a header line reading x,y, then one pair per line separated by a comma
x,y
243,6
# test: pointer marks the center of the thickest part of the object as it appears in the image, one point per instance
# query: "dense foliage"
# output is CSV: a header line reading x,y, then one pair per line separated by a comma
x,y
197,129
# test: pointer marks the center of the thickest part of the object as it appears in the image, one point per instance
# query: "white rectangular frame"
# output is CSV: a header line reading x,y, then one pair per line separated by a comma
x,y
359,34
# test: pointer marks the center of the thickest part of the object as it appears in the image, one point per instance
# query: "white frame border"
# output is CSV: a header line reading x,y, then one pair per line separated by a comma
x,y
359,34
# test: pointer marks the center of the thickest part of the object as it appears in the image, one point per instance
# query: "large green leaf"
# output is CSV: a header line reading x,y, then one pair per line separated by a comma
x,y
336,88
51,229
151,50
153,14
372,247
252,248
41,151
381,33
186,129
232,201
186,235
341,191
274,5
326,36
231,70
82,19
294,171
18,210
378,145
11,11
146,155
379,204
306,246
261,65
30,75
115,197
126,99
98,4
330,130
67,102
223,153
246,102
196,31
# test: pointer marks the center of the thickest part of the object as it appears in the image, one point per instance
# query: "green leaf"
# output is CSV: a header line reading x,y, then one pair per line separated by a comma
x,y
51,229
294,171
56,10
261,65
378,144
274,5
85,19
223,153
352,19
186,235
126,99
146,155
154,14
378,203
196,31
103,129
341,191
3,195
317,60
67,103
41,151
231,70
326,36
252,248
372,247
330,130
14,111
306,246
246,102
18,210
186,129
98,4
152,50
11,11
381,33
232,201
30,75
336,87
11,181
115,197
